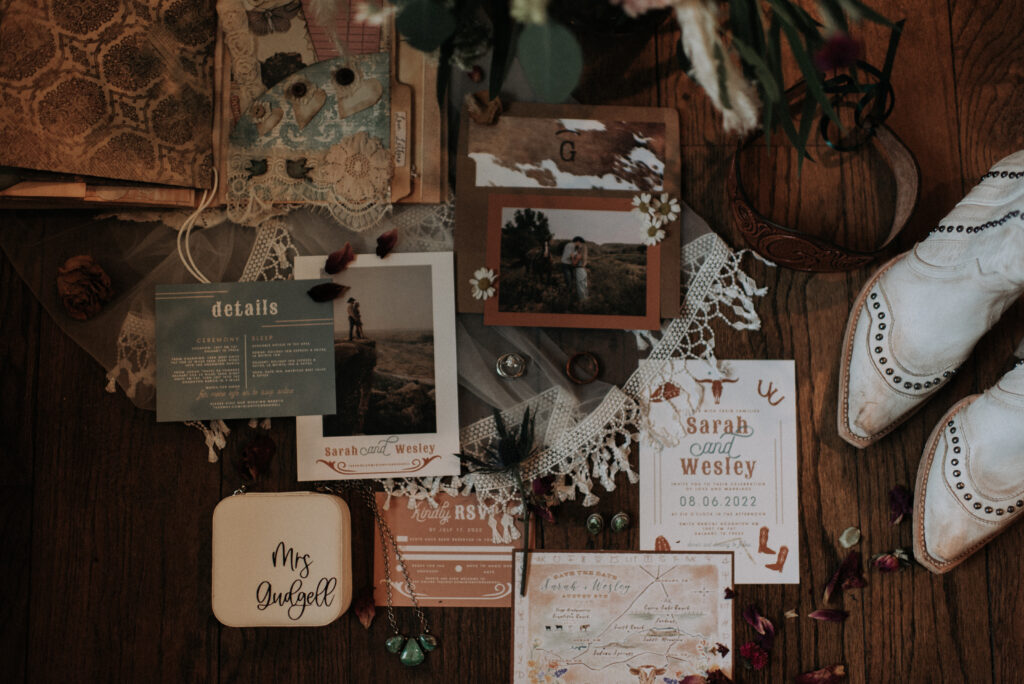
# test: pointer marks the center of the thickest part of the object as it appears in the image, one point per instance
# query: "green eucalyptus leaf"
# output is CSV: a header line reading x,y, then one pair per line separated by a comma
x,y
765,78
811,75
426,24
858,10
551,58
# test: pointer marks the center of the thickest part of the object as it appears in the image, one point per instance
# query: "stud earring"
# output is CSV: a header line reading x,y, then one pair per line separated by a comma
x,y
595,523
620,522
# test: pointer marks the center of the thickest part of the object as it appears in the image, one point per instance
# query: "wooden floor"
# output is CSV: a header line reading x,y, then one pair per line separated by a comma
x,y
105,514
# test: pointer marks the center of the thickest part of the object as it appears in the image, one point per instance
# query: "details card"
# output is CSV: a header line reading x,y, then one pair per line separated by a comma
x,y
242,350
397,409
729,479
454,555
608,617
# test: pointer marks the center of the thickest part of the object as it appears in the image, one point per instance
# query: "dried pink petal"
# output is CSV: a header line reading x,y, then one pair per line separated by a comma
x,y
338,261
826,675
849,575
828,615
364,607
901,502
762,625
326,292
386,242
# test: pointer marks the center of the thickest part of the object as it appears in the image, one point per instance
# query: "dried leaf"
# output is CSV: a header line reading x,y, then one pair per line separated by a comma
x,y
365,608
791,613
826,675
326,292
901,502
386,242
338,261
253,462
849,575
828,615
849,537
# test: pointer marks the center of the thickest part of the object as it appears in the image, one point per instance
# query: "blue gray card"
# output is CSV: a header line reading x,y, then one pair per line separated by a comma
x,y
243,350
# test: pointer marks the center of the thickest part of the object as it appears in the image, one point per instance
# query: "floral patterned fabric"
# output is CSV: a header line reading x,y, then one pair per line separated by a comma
x,y
118,89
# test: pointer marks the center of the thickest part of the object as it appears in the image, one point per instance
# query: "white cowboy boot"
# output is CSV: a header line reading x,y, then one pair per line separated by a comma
x,y
918,318
970,483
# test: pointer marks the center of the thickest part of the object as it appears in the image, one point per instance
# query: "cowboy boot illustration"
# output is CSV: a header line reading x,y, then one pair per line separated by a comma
x,y
763,547
780,561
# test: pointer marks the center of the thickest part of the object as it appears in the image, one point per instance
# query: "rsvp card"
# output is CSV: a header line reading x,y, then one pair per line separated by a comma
x,y
242,350
728,480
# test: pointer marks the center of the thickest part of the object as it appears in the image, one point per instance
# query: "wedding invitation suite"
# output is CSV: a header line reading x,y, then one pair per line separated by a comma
x,y
718,465
612,617
396,382
453,551
242,350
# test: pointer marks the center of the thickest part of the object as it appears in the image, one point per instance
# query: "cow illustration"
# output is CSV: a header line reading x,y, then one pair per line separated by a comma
x,y
645,674
716,387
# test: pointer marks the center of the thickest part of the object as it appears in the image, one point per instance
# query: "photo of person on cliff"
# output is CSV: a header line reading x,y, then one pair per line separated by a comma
x,y
384,377
597,258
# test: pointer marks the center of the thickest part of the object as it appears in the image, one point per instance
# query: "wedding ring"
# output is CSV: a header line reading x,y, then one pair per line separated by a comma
x,y
586,362
511,365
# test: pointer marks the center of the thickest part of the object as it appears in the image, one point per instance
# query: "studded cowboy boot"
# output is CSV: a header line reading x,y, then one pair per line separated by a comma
x,y
918,318
970,483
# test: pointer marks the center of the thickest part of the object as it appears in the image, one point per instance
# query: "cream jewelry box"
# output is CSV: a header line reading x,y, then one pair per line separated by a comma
x,y
281,560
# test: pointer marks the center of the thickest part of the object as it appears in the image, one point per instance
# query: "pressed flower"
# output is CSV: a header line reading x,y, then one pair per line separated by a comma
x,y
653,235
483,283
849,537
849,575
642,205
755,655
828,615
841,50
901,502
386,242
893,561
338,261
826,675
665,209
326,292
365,608
791,614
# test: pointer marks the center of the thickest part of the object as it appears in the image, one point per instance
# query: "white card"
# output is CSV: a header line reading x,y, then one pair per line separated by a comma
x,y
718,468
397,384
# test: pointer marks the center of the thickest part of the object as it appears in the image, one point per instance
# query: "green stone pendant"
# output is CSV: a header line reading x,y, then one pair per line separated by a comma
x,y
428,642
394,644
412,654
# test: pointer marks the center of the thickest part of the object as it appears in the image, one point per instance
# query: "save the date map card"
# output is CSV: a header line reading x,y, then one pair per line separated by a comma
x,y
718,465
614,617
242,350
454,553
394,358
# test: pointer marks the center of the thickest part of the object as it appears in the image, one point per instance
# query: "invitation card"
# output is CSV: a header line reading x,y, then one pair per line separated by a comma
x,y
613,617
455,555
242,350
729,478
396,380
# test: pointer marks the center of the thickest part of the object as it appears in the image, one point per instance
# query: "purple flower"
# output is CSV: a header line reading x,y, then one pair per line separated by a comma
x,y
840,51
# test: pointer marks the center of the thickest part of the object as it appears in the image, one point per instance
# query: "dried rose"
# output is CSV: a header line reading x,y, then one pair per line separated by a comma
x,y
849,575
253,462
386,242
729,593
762,625
901,503
755,655
826,675
338,261
893,561
364,608
828,615
83,286
326,292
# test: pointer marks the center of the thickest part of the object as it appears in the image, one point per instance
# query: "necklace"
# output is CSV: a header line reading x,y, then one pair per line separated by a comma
x,y
412,650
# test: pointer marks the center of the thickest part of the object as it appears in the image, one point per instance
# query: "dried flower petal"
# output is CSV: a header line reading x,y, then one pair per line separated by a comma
x,y
729,593
326,292
849,575
84,287
826,675
253,462
386,242
828,615
791,613
762,625
849,537
716,676
543,486
338,261
365,608
893,561
901,502
720,649
756,655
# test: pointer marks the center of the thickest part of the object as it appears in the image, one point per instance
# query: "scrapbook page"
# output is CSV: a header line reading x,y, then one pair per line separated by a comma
x,y
455,551
611,617
729,478
578,157
237,350
394,359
